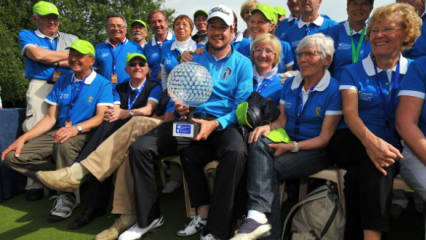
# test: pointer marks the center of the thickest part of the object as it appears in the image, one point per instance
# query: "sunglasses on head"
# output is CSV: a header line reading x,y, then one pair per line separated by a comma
x,y
141,64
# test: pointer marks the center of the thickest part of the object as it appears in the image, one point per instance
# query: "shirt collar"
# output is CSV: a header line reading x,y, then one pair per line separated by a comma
x,y
168,37
238,37
368,65
319,21
291,18
42,35
188,45
348,31
321,86
89,78
268,75
137,88
107,41
219,59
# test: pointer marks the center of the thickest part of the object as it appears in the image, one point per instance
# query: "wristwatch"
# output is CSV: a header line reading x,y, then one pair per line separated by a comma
x,y
79,128
296,146
131,113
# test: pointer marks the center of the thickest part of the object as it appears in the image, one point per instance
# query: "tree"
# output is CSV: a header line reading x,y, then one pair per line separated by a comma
x,y
86,19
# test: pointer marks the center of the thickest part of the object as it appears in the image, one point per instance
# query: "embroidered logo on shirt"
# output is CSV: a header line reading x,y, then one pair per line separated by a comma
x,y
90,99
227,72
317,111
104,55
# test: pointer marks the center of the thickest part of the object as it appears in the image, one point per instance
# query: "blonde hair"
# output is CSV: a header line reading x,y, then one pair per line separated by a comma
x,y
408,19
247,4
184,18
267,38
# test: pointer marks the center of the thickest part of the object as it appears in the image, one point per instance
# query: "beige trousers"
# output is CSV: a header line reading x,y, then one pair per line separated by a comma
x,y
112,156
36,106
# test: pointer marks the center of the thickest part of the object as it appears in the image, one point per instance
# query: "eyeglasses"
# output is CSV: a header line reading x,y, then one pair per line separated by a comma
x,y
260,50
385,30
307,54
141,64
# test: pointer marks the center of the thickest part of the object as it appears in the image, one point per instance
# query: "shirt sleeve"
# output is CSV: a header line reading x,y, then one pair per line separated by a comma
x,y
155,94
115,95
170,106
106,98
53,97
346,81
26,39
288,54
243,91
413,83
334,103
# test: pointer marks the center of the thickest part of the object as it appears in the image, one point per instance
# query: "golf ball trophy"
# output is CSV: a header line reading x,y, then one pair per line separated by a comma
x,y
192,84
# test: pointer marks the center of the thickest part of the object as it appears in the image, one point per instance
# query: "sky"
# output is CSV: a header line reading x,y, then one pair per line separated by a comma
x,y
335,9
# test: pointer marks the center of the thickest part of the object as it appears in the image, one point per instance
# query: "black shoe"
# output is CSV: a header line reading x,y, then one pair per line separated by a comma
x,y
86,217
34,194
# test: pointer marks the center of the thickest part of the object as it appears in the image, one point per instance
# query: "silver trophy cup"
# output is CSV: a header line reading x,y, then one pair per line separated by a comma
x,y
192,84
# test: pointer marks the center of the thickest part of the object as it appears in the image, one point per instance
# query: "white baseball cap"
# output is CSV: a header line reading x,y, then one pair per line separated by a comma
x,y
223,12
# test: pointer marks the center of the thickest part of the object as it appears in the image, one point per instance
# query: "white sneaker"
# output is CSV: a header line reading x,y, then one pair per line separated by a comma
x,y
194,226
208,236
62,207
170,187
135,232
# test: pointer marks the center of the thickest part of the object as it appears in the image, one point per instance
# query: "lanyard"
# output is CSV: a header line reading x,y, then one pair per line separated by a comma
x,y
355,51
75,96
115,56
130,104
388,102
300,108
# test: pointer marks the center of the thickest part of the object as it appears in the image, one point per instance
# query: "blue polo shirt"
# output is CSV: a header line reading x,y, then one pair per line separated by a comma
x,y
287,57
33,69
361,77
152,52
301,29
323,100
269,86
240,43
283,26
414,85
154,95
419,47
96,91
232,84
110,59
342,44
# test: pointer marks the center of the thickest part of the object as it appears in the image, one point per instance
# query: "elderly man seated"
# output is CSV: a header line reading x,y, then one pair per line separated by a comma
x,y
77,104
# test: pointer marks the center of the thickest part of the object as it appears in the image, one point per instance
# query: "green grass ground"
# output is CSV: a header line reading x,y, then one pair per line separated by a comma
x,y
22,220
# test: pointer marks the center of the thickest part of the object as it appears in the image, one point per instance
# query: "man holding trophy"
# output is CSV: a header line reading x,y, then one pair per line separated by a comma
x,y
217,139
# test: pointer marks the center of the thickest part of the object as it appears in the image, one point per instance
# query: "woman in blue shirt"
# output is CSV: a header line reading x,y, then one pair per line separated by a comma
x,y
349,36
310,110
369,90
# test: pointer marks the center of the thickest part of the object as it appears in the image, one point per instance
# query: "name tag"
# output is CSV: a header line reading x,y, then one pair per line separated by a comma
x,y
181,129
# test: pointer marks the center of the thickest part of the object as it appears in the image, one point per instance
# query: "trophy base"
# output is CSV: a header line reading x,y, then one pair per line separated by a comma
x,y
185,129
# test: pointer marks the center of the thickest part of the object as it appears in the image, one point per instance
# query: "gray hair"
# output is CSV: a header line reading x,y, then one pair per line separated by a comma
x,y
324,44
113,15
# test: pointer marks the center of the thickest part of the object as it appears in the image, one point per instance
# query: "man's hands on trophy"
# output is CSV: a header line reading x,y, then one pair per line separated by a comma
x,y
206,128
182,109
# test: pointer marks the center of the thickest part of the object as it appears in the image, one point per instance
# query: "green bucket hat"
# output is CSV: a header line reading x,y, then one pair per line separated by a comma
x,y
83,47
268,11
279,135
133,55
139,21
201,11
280,11
43,8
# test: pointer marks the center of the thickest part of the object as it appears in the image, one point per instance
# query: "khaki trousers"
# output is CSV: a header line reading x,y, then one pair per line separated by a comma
x,y
42,153
112,156
36,106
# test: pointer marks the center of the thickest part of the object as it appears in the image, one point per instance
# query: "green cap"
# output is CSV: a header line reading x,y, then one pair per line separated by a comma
x,y
280,11
241,114
139,21
133,55
268,11
43,8
202,11
83,47
279,135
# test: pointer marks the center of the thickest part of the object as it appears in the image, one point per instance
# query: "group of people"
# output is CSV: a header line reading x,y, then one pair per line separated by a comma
x,y
349,94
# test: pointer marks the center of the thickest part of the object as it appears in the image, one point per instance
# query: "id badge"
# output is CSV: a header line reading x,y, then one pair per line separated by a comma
x,y
56,76
114,78
68,123
183,129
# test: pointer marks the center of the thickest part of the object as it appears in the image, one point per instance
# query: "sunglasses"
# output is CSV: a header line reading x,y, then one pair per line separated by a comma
x,y
141,64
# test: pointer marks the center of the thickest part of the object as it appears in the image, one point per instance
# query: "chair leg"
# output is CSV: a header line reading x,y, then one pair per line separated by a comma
x,y
341,187
303,188
282,192
190,212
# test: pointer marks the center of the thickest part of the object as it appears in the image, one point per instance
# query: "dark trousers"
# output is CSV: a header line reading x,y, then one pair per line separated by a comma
x,y
99,192
368,193
226,146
